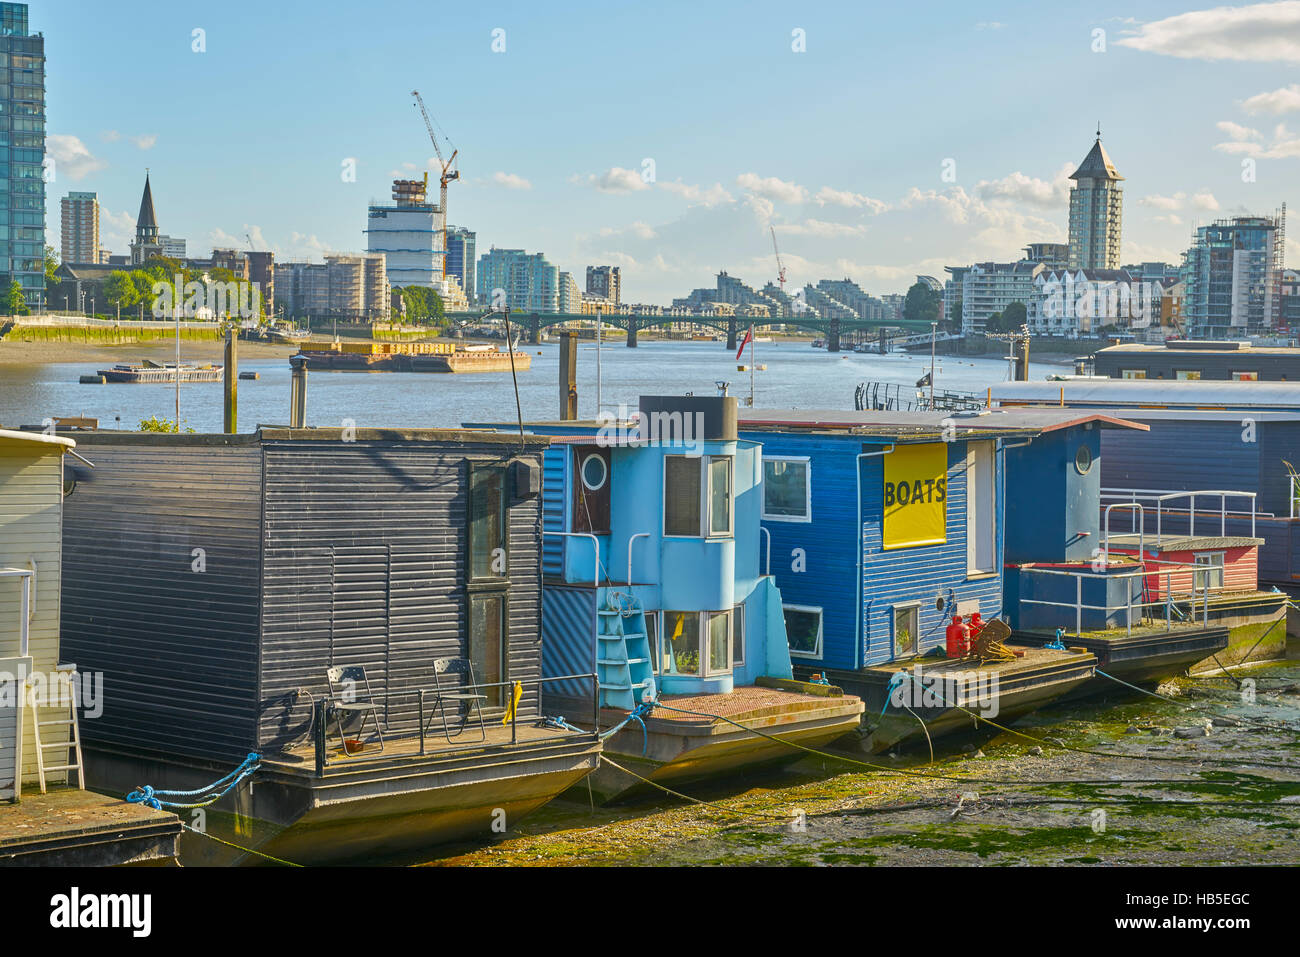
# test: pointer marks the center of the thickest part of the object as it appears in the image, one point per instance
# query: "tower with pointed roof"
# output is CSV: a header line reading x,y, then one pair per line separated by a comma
x,y
1096,211
147,243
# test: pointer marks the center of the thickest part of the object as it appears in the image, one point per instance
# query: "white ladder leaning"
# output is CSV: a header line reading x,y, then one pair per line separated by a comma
x,y
73,740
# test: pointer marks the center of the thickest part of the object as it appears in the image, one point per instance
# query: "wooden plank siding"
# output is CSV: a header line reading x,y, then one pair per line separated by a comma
x,y
31,497
177,647
365,550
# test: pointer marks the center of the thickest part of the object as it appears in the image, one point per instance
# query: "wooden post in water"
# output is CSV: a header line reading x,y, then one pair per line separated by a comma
x,y
298,393
231,375
568,376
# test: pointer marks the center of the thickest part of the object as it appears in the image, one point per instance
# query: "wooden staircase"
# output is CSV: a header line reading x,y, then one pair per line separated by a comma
x,y
623,667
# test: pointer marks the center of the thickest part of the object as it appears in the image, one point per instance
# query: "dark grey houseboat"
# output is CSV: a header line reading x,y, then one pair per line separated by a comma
x,y
214,580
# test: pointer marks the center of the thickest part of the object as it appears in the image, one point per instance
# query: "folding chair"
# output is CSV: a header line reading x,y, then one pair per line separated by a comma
x,y
351,701
445,693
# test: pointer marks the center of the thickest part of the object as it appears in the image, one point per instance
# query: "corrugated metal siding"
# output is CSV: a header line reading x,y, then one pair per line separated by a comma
x,y
553,498
1180,456
1278,441
365,564
177,648
924,573
31,494
568,638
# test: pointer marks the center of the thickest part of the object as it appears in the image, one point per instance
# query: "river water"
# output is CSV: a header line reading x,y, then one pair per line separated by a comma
x,y
797,376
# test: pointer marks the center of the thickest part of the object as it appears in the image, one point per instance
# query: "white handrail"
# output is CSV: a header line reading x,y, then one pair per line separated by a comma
x,y
767,568
631,539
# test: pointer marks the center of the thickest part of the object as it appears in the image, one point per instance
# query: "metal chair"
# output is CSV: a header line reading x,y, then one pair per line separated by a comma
x,y
444,694
351,702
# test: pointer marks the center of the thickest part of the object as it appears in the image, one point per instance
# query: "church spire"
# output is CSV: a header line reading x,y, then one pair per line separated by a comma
x,y
146,224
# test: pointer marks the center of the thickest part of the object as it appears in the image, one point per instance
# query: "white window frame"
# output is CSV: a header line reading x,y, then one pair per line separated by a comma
x,y
706,504
702,636
976,506
705,670
738,635
1221,566
821,629
806,460
912,606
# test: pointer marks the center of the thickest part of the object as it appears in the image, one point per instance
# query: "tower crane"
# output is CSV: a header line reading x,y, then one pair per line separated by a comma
x,y
447,175
780,266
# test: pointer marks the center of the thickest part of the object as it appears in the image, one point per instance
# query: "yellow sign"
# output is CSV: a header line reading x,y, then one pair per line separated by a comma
x,y
916,495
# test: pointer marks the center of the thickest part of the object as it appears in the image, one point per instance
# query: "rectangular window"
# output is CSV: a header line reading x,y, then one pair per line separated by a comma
x,y
906,631
1245,376
487,523
681,496
720,496
1188,374
682,644
652,639
738,636
487,639
718,656
787,489
1133,373
981,509
803,630
1212,577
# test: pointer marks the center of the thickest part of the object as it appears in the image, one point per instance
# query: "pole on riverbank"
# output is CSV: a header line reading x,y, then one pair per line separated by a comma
x,y
231,373
568,376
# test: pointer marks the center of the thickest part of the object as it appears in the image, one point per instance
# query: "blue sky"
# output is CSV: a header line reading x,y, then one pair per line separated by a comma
x,y
841,147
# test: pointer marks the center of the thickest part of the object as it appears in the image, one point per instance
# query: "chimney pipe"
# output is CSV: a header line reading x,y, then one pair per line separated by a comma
x,y
298,393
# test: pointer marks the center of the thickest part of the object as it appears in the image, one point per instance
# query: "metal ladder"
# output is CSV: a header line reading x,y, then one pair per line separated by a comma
x,y
73,742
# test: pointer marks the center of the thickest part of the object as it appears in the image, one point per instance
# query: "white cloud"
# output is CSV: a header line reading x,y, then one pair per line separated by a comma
x,y
145,141
849,200
71,157
770,187
638,229
304,246
1283,100
1283,145
616,179
1257,32
1019,188
116,230
510,180
1200,200
1236,131
704,195
110,136
817,227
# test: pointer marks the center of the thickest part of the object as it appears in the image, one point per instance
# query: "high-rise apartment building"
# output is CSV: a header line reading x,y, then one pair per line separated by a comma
x,y
1096,212
1232,278
569,295
79,222
407,233
22,102
531,284
342,287
605,282
988,288
460,257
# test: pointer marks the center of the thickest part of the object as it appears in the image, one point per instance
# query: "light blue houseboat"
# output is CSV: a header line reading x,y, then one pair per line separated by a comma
x,y
653,570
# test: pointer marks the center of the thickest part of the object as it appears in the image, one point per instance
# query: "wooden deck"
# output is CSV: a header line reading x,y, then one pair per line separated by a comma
x,y
69,827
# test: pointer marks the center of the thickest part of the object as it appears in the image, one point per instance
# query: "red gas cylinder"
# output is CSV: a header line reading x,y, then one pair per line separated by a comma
x,y
976,623
958,638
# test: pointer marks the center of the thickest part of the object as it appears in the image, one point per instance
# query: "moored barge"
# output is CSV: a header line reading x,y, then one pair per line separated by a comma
x,y
149,372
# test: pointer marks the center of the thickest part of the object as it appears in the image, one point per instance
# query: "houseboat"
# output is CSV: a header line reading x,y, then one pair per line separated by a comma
x,y
411,357
150,372
1233,360
353,614
654,575
47,817
885,527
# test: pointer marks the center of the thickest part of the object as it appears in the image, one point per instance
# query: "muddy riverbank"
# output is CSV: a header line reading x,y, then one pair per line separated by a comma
x,y
1231,796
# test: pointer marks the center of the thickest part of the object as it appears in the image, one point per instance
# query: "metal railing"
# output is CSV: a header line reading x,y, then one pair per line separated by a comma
x,y
1200,573
322,714
1159,497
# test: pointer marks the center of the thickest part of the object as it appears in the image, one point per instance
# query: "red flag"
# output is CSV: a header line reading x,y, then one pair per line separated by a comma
x,y
745,341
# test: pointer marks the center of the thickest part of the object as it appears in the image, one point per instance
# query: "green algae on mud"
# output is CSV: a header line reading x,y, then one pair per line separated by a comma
x,y
1058,807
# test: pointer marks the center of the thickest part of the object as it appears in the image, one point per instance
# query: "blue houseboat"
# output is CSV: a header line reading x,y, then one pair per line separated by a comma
x,y
653,572
883,527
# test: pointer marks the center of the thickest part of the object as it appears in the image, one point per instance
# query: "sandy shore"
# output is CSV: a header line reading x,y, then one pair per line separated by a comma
x,y
36,353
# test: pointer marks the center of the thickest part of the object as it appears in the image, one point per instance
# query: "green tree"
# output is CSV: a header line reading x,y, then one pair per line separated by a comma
x,y
15,302
923,304
51,268
424,306
120,289
1013,317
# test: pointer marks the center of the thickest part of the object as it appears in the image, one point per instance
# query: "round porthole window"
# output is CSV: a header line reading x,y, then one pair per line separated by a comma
x,y
1083,459
594,472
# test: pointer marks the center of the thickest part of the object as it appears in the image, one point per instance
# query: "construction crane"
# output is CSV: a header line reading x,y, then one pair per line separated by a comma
x,y
251,247
780,266
447,175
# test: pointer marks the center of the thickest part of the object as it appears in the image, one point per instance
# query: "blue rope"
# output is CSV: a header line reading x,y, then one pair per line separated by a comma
x,y
637,714
148,796
894,682
1058,643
